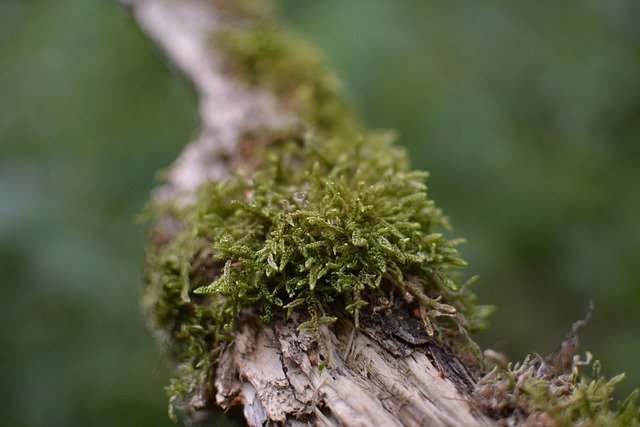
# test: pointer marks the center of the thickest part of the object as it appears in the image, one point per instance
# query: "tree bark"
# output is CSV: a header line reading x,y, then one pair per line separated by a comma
x,y
386,373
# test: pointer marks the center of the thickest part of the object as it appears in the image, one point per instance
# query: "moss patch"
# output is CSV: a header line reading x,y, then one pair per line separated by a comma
x,y
330,219
323,222
553,391
529,392
267,55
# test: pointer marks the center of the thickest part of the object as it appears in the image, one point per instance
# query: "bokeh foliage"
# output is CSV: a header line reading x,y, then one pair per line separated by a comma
x,y
526,115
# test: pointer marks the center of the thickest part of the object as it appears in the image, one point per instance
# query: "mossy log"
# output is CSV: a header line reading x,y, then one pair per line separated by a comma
x,y
271,369
296,270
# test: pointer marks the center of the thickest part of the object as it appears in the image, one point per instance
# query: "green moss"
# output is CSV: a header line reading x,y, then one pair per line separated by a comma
x,y
270,56
330,219
323,226
188,329
532,392
329,222
326,222
246,10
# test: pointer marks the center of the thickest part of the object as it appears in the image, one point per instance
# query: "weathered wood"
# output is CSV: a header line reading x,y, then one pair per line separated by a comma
x,y
385,374
183,29
273,371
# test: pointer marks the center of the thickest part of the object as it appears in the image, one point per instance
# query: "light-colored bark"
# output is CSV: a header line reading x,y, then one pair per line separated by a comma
x,y
274,371
183,29
374,376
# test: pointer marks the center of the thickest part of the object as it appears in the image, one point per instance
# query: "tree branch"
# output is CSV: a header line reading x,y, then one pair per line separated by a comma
x,y
183,29
384,373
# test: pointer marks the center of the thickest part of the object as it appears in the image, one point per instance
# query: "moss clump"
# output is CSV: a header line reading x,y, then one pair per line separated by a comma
x,y
325,222
186,327
553,391
322,226
246,10
332,218
272,57
531,392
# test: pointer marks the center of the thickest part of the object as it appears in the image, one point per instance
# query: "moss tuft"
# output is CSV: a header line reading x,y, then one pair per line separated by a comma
x,y
322,226
554,391
327,222
272,57
246,10
530,393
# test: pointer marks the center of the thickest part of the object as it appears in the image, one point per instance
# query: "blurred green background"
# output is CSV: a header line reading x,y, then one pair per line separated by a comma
x,y
526,113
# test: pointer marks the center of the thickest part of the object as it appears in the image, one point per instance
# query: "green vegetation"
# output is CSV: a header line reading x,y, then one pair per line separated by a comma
x,y
321,221
270,56
554,391
325,221
532,392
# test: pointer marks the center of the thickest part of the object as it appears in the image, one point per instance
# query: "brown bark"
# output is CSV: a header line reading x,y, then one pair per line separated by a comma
x,y
385,374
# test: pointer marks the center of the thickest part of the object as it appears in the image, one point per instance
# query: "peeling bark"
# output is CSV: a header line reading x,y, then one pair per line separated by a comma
x,y
388,373
273,371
